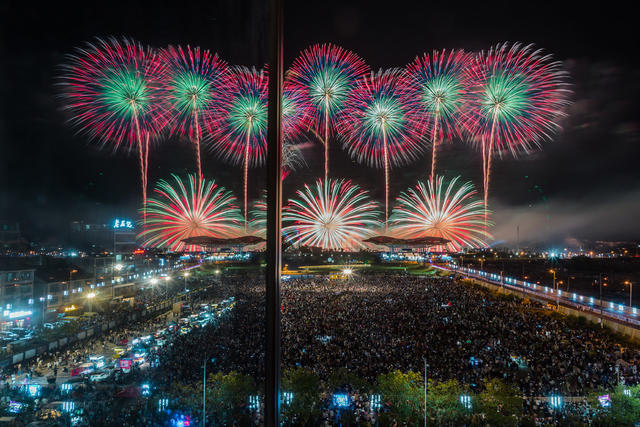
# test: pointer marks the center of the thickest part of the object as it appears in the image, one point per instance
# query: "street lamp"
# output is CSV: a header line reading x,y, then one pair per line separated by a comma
x,y
204,388
186,274
90,297
628,282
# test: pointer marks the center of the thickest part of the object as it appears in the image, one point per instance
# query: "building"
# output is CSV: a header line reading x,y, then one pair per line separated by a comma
x,y
10,237
119,236
16,297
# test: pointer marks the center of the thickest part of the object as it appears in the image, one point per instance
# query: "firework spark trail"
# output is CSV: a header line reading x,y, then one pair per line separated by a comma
x,y
435,84
375,125
442,210
515,97
246,174
333,214
240,134
190,208
326,74
193,87
386,177
112,92
434,142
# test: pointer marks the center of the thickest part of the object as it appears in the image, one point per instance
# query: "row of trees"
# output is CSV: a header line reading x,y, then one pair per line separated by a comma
x,y
402,400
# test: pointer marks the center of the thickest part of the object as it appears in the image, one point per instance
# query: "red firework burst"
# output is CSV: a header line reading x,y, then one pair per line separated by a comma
x,y
193,88
515,98
375,125
325,74
111,90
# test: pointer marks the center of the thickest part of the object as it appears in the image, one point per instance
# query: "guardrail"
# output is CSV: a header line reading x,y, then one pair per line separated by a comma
x,y
608,309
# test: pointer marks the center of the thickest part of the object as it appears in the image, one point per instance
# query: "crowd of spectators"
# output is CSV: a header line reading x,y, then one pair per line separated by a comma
x,y
368,325
373,324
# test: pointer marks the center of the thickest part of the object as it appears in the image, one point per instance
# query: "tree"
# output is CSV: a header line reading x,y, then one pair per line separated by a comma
x,y
624,409
305,406
443,402
500,403
403,393
227,396
341,377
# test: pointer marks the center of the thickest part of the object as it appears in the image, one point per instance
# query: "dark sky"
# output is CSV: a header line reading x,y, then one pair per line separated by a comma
x,y
584,184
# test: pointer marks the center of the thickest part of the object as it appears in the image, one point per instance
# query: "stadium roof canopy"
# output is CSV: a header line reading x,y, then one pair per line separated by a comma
x,y
421,242
218,242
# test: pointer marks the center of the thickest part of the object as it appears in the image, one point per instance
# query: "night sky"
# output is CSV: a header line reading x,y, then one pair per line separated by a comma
x,y
585,184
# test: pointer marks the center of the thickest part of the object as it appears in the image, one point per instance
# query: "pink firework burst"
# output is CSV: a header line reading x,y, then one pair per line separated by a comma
x,y
111,91
239,136
325,74
375,125
193,88
435,86
515,98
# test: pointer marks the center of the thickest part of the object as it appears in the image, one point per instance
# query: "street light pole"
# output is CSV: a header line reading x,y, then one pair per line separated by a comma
x,y
425,391
204,392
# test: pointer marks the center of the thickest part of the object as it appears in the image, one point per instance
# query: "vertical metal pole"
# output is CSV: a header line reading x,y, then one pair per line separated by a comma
x,y
274,205
425,391
204,393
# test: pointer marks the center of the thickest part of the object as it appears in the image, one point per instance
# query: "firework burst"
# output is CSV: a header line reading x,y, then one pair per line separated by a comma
x,y
296,112
375,126
325,75
191,208
438,210
515,97
192,83
435,88
240,135
111,90
333,214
